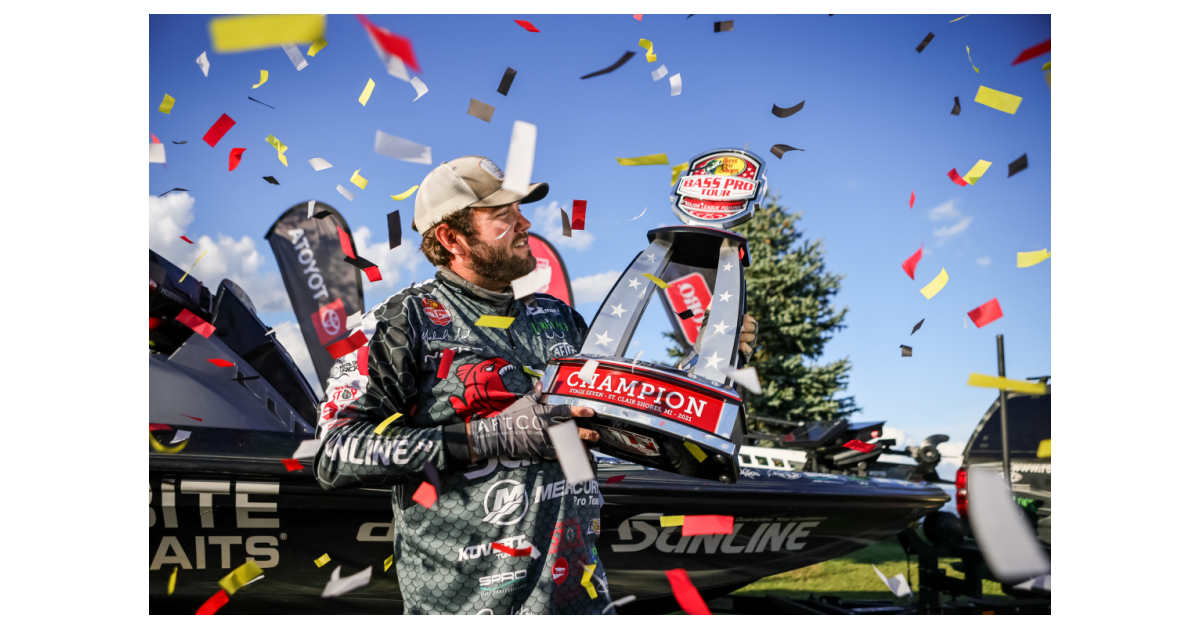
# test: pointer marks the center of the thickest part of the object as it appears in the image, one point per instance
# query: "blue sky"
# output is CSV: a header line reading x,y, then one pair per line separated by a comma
x,y
876,126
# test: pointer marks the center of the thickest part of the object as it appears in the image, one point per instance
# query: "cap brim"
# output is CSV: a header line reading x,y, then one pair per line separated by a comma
x,y
501,197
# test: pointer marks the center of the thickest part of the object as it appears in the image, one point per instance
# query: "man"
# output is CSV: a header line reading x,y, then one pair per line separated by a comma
x,y
480,427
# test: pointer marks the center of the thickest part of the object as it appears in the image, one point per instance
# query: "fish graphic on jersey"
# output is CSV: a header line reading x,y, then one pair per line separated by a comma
x,y
485,395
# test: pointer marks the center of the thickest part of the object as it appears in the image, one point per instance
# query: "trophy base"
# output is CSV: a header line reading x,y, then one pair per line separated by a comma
x,y
654,416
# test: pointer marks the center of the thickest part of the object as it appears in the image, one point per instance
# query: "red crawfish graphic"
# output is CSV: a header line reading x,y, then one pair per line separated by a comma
x,y
485,394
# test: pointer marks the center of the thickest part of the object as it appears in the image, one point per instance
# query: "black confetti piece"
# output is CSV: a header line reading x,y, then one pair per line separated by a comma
x,y
905,351
779,112
685,314
957,107
779,149
628,56
723,27
1021,163
261,102
918,326
182,142
395,231
925,42
506,82
271,180
177,189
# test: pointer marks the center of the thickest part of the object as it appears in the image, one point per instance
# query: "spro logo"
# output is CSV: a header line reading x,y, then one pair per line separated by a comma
x,y
509,497
496,584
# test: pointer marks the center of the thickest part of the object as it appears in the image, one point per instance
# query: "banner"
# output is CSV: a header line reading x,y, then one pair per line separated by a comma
x,y
324,289
691,288
547,257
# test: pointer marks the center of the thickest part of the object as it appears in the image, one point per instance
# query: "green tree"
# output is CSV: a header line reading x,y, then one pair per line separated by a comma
x,y
790,293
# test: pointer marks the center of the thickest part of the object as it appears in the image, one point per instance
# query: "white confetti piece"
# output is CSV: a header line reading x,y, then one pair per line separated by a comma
x,y
345,192
181,436
897,584
676,85
588,372
296,56
1012,552
419,86
576,465
659,73
158,153
337,587
307,449
530,283
202,61
746,377
402,149
518,168
319,164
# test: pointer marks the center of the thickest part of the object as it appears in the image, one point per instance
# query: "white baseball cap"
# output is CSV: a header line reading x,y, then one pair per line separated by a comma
x,y
471,181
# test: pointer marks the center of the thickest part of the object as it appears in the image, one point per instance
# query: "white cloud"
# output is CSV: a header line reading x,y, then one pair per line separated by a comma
x,y
407,255
946,232
984,261
547,222
901,438
944,211
293,340
594,288
237,260
952,458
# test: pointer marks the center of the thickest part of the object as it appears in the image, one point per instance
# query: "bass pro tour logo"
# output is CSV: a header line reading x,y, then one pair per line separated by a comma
x,y
720,188
436,312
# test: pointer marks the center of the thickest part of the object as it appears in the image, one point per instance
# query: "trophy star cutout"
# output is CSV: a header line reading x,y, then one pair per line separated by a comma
x,y
634,283
720,327
617,310
727,267
712,361
651,257
603,339
725,296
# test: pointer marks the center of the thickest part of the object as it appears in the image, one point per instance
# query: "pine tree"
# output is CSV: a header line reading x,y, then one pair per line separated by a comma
x,y
789,292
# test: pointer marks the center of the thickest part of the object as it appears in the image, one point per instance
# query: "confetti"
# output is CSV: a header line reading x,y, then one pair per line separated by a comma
x,y
953,174
317,46
235,158
936,285
658,74
746,377
624,58
384,425
371,270
780,112
616,479
292,464
182,142
279,147
184,238
158,154
1001,383
1025,260
507,81
897,584
341,348
195,323
970,61
1021,163
859,445
977,171
255,32
319,164
394,45
1033,52
998,100
578,214
572,456
425,495
723,27
431,474
180,436
495,322
924,42
529,284
779,149
587,373
271,180
307,449
358,180
686,314
445,363
395,230
912,200
649,46
202,61
657,159
176,189
519,166
481,110
168,103
387,563
686,595
171,581
339,586
321,561
957,19
527,26
260,102
366,92
1045,66
676,85
240,576
905,351
566,223
918,326
418,85
214,603
676,170
537,374
1043,451
295,56
345,192
168,450
402,149
1007,540
262,78
354,320
986,313
657,281
638,215
221,363
193,266
508,550
695,451
707,525
405,194
637,16
957,107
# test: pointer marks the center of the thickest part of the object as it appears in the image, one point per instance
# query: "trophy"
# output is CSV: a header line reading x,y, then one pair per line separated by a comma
x,y
677,420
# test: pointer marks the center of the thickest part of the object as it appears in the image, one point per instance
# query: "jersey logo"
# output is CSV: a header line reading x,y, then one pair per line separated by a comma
x,y
436,312
485,394
561,570
503,510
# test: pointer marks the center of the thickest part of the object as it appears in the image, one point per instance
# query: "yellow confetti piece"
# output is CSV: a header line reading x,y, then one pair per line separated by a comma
x,y
936,285
659,159
1000,383
358,180
971,62
1025,260
495,322
387,563
1043,453
193,265
366,93
278,146
977,171
537,374
657,281
317,46
321,561
383,425
240,576
255,32
175,573
168,103
670,521
1048,79
588,569
262,78
998,100
675,170
695,451
957,19
406,194
1046,66
649,46
169,450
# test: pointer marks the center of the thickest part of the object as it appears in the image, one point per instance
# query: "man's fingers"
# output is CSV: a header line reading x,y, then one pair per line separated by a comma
x,y
581,412
744,348
588,435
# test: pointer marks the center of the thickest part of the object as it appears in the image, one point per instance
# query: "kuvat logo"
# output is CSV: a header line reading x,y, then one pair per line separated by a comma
x,y
690,292
509,498
330,321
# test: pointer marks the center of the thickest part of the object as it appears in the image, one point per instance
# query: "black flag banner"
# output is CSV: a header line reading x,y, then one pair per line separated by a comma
x,y
691,290
324,289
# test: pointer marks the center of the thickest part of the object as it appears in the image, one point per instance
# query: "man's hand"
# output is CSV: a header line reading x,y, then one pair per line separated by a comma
x,y
587,435
749,336
519,431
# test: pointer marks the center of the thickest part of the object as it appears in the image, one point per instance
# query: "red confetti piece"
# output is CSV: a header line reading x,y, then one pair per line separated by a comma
x,y
218,130
154,139
347,246
235,158
214,603
195,323
192,417
511,551
341,348
361,358
392,43
910,264
156,426
859,445
912,200
986,313
616,479
292,464
373,273
184,238
444,364
637,16
953,174
425,495
578,214
527,26
686,594
221,363
1035,51
707,525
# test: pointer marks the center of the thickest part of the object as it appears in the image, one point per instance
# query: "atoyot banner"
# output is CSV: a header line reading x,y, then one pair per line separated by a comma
x,y
559,284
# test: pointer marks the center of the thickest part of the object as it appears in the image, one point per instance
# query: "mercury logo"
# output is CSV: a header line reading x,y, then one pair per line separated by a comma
x,y
332,322
508,500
